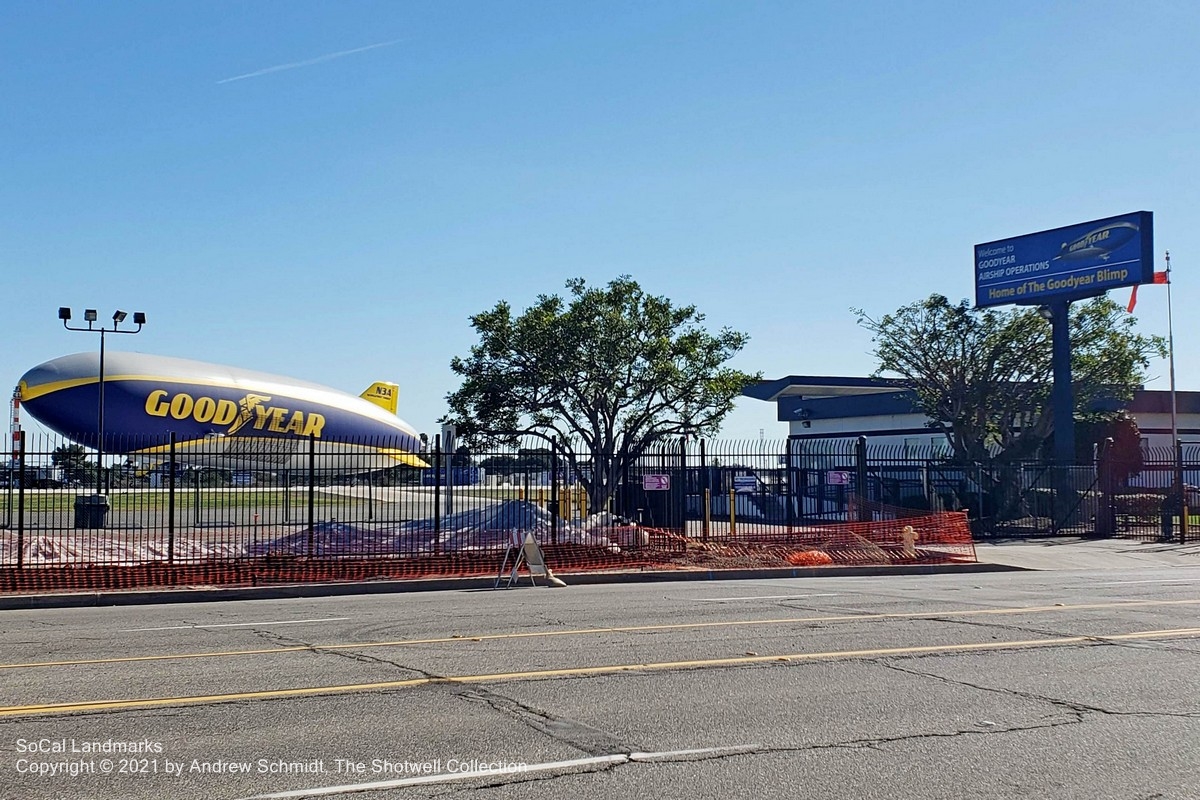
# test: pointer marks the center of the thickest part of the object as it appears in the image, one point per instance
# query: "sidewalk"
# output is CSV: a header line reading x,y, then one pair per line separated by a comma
x,y
1073,553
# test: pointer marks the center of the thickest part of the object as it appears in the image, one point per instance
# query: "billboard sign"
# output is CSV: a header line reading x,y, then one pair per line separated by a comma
x,y
1068,263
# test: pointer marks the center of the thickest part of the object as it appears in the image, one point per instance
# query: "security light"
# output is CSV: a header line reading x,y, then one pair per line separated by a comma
x,y
1046,313
89,315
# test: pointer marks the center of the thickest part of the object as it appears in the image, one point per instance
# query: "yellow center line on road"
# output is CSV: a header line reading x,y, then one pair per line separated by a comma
x,y
572,672
593,631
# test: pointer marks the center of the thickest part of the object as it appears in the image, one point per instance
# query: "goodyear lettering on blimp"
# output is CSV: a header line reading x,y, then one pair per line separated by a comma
x,y
1099,243
252,410
1091,239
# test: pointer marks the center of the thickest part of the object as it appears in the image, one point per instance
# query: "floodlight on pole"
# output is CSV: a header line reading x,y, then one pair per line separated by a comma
x,y
89,316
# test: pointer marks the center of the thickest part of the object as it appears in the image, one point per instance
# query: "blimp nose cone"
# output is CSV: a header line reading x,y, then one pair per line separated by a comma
x,y
57,371
40,389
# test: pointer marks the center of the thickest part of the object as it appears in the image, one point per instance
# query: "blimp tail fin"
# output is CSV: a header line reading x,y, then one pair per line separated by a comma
x,y
384,395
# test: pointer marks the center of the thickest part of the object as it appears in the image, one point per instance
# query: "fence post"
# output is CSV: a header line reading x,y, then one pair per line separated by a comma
x,y
20,498
979,495
1106,518
682,490
706,487
732,512
287,496
554,490
626,507
789,478
1058,484
312,493
1183,506
171,501
860,458
437,493
927,487
1110,499
450,451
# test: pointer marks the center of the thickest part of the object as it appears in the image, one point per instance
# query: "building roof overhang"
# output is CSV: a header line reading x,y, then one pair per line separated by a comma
x,y
821,386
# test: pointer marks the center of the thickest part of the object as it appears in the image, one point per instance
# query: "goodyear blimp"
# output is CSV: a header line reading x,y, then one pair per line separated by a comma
x,y
218,415
1099,243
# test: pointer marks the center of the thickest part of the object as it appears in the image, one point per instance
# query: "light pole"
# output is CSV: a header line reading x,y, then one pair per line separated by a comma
x,y
89,316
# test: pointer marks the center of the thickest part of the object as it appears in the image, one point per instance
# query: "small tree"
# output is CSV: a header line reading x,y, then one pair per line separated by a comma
x,y
461,457
613,368
72,460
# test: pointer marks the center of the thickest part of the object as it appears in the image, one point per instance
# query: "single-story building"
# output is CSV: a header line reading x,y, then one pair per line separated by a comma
x,y
885,411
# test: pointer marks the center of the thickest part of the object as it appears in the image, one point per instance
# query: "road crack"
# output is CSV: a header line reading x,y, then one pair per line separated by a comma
x,y
1071,706
572,732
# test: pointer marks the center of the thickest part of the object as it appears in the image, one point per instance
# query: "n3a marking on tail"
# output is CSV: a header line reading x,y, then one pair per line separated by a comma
x,y
383,394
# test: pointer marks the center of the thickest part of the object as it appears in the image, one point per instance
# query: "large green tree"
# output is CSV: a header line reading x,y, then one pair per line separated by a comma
x,y
605,373
984,376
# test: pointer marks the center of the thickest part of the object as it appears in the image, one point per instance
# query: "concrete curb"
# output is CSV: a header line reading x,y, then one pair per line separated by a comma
x,y
216,594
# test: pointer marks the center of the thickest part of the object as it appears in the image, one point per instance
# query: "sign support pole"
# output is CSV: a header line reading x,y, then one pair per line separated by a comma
x,y
1063,404
1063,401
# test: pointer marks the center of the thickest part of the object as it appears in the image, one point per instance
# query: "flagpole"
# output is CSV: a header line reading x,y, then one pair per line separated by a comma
x,y
1171,356
1179,486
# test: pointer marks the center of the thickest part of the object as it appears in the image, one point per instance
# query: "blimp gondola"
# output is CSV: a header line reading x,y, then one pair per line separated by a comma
x,y
217,415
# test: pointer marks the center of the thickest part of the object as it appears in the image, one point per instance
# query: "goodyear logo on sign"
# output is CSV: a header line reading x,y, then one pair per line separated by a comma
x,y
251,410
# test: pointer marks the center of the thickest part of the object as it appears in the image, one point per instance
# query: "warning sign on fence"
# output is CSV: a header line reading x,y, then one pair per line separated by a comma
x,y
745,483
656,483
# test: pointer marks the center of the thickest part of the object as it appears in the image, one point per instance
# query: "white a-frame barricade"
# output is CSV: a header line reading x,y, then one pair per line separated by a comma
x,y
525,552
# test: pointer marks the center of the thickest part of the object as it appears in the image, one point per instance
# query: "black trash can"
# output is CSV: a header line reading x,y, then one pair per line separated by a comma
x,y
91,511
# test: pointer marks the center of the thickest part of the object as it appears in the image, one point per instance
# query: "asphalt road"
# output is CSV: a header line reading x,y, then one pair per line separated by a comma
x,y
1082,684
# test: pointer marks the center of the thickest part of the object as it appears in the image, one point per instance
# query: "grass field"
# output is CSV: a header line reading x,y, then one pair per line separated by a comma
x,y
120,500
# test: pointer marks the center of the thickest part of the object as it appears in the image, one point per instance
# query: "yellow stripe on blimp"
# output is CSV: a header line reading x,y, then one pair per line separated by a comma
x,y
33,392
407,459
399,456
309,691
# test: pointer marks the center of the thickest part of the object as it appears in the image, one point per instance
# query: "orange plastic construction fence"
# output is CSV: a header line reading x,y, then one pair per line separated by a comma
x,y
940,538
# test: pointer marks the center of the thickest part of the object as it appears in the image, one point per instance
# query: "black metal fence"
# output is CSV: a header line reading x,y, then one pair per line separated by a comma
x,y
303,497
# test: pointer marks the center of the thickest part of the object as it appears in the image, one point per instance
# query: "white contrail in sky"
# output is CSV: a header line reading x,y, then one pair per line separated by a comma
x,y
309,62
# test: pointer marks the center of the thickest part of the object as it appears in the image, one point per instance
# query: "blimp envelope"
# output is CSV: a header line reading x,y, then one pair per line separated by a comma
x,y
218,414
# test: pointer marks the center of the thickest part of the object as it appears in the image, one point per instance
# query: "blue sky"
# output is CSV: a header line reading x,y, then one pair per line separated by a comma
x,y
328,190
